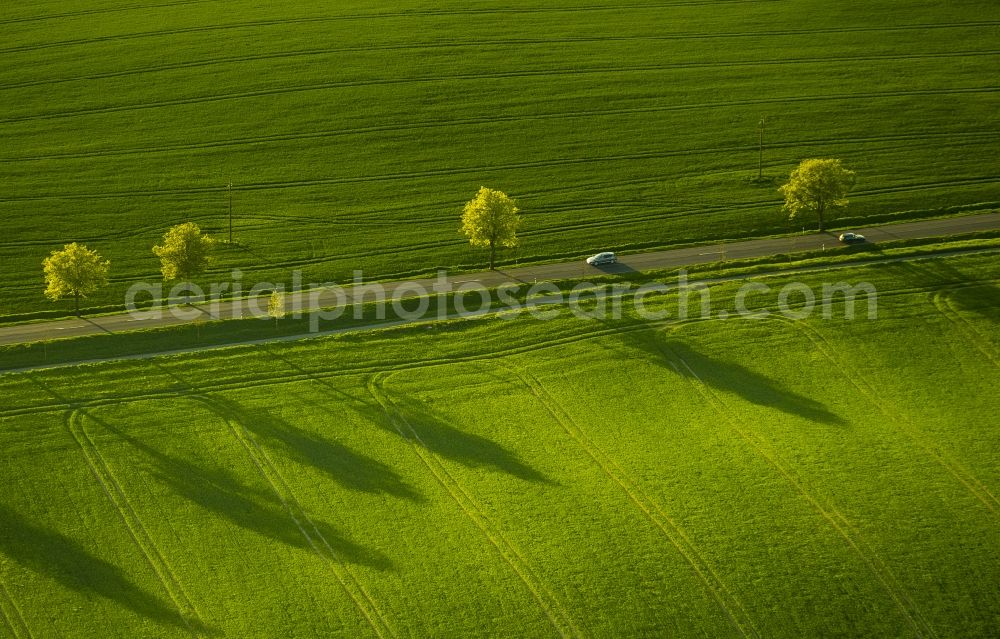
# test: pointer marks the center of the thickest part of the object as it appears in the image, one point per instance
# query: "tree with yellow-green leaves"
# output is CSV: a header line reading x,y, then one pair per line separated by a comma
x,y
75,270
817,186
276,306
185,252
491,219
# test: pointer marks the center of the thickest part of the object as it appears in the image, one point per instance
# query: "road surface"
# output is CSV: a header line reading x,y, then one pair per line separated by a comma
x,y
308,300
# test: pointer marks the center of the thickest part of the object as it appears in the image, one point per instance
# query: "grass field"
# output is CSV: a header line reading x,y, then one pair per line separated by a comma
x,y
769,478
353,132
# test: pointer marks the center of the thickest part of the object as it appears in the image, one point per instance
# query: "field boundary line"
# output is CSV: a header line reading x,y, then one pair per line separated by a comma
x,y
837,521
942,301
266,468
137,530
904,424
557,614
13,618
671,530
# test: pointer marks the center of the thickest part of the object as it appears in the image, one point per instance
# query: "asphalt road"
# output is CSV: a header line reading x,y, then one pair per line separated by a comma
x,y
322,298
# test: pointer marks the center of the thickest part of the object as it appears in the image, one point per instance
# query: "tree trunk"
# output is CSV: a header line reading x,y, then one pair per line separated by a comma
x,y
76,300
493,253
819,210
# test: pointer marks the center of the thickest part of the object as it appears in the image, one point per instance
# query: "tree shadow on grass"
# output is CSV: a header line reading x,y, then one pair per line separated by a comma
x,y
435,434
729,377
348,468
982,299
54,555
261,511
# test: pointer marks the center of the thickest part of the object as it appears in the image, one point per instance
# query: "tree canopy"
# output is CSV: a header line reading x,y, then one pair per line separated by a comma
x,y
75,270
491,219
185,252
817,186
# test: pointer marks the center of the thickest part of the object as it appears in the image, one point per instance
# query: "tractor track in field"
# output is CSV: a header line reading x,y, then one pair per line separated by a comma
x,y
475,77
12,616
879,569
252,24
89,12
141,537
716,587
475,121
268,471
556,612
897,419
942,301
274,185
280,55
369,369
415,13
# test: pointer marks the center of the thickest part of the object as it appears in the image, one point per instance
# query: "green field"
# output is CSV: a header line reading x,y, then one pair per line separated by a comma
x,y
353,132
768,478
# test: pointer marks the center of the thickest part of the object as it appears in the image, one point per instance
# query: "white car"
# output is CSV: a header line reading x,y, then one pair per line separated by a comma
x,y
602,258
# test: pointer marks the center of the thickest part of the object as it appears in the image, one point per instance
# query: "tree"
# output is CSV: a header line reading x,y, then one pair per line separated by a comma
x,y
276,306
491,219
184,253
817,185
75,270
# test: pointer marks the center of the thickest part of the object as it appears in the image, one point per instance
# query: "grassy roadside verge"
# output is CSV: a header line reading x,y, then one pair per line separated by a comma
x,y
438,307
630,249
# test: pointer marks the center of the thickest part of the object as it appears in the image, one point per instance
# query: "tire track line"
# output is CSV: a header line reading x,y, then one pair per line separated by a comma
x,y
716,587
477,121
942,301
975,487
557,614
473,77
282,55
837,521
136,529
362,600
443,13
456,172
88,12
12,616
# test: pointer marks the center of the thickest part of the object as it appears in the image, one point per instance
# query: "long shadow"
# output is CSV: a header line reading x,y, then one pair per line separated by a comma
x,y
982,298
54,555
468,449
729,377
348,468
218,490
435,433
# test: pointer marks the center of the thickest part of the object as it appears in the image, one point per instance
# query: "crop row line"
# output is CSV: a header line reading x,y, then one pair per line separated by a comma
x,y
467,77
116,9
414,175
557,614
714,584
281,55
133,523
837,521
449,123
328,19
